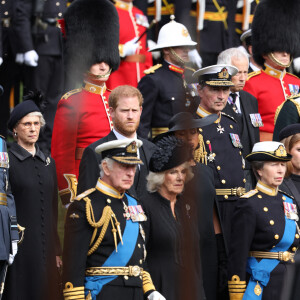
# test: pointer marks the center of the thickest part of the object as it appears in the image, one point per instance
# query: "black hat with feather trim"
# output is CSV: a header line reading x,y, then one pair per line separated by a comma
x,y
275,28
92,36
32,102
170,153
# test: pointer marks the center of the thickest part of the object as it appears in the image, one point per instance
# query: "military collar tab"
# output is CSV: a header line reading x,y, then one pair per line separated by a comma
x,y
176,69
123,5
274,72
108,189
93,88
201,112
266,189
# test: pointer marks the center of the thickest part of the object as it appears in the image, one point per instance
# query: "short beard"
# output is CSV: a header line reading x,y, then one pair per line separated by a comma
x,y
124,130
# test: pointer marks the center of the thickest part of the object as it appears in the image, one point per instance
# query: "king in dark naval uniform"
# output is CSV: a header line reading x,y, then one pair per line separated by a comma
x,y
104,250
222,142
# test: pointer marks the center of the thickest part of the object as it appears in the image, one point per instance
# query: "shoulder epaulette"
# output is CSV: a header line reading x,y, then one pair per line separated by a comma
x,y
250,193
153,69
293,75
285,193
84,194
70,93
231,117
252,74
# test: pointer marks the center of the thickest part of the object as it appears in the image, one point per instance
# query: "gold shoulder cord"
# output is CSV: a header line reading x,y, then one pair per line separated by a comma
x,y
200,154
107,216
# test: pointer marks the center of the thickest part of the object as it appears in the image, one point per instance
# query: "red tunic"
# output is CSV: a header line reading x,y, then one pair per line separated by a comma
x,y
132,24
82,117
270,87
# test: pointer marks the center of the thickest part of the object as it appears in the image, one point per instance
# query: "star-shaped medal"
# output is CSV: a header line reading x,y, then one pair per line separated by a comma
x,y
211,157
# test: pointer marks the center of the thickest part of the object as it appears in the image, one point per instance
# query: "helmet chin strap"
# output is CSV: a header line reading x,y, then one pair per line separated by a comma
x,y
277,62
177,56
104,76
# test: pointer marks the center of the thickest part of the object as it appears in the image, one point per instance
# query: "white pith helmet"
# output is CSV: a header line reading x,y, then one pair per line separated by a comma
x,y
173,34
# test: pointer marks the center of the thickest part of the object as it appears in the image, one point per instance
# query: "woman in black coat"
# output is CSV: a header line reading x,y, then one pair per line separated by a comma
x,y
34,273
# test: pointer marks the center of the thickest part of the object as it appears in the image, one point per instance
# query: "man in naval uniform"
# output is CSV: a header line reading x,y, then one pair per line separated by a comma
x,y
104,247
164,89
222,141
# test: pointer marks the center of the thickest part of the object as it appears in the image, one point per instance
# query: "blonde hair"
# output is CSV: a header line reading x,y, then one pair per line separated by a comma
x,y
125,91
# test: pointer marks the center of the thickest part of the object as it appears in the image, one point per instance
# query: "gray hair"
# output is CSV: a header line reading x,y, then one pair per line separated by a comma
x,y
226,55
110,162
155,180
37,114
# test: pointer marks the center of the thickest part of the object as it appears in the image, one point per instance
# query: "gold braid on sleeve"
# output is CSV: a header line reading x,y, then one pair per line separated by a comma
x,y
107,216
147,282
236,288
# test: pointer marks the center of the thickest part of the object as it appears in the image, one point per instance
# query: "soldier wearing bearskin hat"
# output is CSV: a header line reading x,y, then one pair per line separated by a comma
x,y
275,41
92,38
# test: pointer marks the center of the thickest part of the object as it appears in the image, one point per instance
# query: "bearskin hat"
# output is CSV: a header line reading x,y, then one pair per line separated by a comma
x,y
276,27
92,36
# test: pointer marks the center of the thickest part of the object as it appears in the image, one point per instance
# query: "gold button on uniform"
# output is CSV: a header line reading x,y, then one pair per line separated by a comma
x,y
208,142
276,236
240,152
141,277
126,277
283,198
294,249
141,261
200,129
244,180
271,222
139,245
108,201
259,196
297,236
226,197
223,181
218,168
231,126
266,209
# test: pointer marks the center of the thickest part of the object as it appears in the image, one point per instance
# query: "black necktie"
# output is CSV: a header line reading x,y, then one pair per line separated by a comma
x,y
234,107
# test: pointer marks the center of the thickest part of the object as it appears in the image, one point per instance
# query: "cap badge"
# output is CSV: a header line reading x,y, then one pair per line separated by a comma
x,y
280,152
131,148
223,74
185,33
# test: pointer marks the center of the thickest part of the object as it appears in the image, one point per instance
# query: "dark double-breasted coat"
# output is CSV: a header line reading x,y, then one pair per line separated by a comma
x,y
34,274
78,235
164,96
226,160
258,224
89,170
249,132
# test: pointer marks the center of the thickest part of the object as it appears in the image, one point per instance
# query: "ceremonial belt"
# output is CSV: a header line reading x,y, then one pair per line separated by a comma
x,y
137,58
238,191
93,284
282,256
164,10
260,271
78,153
119,271
158,130
215,16
5,22
239,18
3,199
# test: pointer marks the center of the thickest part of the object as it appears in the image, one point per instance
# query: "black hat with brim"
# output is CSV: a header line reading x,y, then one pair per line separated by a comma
x,y
289,130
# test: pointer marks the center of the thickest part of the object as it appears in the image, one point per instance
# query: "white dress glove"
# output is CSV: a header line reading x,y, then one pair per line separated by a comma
x,y
1,61
195,58
130,47
31,58
296,64
156,296
155,54
14,246
20,58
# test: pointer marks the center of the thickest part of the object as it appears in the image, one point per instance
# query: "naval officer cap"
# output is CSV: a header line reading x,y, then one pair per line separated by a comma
x,y
216,75
122,151
246,37
268,151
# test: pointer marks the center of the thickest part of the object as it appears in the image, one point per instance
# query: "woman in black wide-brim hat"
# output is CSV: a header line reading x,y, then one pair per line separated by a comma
x,y
32,178
265,235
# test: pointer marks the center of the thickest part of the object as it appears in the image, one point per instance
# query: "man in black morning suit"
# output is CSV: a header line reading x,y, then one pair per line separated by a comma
x,y
243,107
125,104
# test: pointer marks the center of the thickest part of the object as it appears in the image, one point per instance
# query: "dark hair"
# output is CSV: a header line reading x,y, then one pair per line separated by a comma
x,y
289,142
257,165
